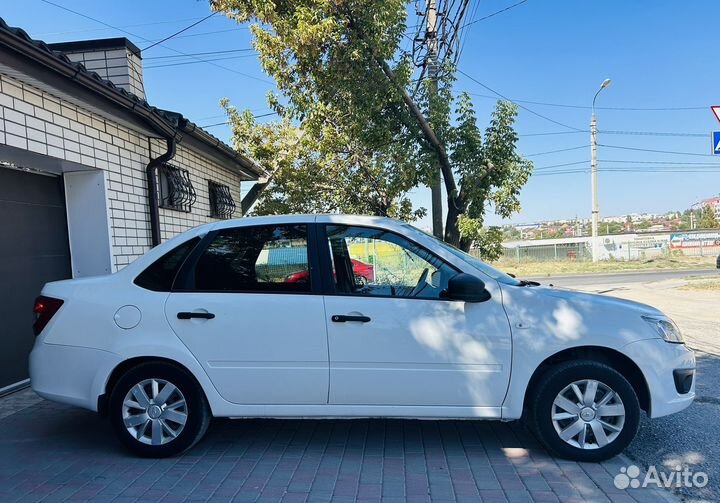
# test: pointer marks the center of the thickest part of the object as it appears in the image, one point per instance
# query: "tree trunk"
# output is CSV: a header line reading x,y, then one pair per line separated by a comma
x,y
452,233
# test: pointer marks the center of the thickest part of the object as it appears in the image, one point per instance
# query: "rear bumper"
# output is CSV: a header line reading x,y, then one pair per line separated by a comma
x,y
70,374
661,363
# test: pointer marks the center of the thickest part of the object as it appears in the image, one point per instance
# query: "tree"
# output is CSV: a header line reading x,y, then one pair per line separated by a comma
x,y
347,90
307,176
708,219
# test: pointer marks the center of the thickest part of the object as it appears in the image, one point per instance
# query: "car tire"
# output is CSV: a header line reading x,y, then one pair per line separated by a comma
x,y
584,411
158,410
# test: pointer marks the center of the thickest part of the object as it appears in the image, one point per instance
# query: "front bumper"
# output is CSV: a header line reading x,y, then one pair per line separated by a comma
x,y
70,374
659,360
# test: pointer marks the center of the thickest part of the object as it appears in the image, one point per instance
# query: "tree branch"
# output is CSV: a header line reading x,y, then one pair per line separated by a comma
x,y
427,130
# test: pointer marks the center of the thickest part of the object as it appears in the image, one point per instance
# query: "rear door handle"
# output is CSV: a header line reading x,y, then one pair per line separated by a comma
x,y
185,315
342,318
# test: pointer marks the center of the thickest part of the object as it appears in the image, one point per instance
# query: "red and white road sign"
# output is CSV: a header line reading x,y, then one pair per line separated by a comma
x,y
716,110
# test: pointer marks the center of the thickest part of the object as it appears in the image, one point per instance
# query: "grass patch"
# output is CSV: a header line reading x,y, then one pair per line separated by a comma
x,y
550,268
712,285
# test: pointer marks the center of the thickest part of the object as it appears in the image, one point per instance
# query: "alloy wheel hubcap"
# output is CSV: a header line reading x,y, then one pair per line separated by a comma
x,y
154,411
588,414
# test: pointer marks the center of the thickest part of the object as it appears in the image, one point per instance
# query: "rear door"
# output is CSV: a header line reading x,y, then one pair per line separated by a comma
x,y
260,336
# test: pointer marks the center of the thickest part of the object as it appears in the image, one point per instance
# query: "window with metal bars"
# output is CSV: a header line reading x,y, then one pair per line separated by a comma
x,y
176,189
222,204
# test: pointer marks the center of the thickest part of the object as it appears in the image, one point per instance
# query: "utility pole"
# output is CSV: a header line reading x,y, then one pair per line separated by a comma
x,y
593,176
436,181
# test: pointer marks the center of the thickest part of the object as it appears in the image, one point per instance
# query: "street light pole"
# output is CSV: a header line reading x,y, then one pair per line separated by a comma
x,y
593,176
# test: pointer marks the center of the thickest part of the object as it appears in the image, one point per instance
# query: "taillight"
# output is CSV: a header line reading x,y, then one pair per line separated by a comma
x,y
44,309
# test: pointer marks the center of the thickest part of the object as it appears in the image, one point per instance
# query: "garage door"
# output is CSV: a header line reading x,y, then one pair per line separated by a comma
x,y
33,250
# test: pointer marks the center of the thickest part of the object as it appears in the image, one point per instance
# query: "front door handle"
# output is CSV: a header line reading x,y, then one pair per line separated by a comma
x,y
185,315
342,318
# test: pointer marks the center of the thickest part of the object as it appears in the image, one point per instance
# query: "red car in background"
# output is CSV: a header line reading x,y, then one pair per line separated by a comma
x,y
364,273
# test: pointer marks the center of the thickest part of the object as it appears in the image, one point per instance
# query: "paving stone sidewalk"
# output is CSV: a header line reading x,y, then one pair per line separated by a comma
x,y
55,453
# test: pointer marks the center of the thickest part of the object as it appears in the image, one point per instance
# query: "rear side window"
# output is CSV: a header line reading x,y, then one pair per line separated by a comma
x,y
269,258
159,276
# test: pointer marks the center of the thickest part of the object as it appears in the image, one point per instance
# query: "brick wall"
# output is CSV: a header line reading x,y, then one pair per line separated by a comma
x,y
35,120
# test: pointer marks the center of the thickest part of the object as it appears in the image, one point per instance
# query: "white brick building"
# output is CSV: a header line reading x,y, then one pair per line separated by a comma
x,y
82,160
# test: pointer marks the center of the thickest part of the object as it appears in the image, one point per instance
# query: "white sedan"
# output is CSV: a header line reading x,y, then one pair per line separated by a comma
x,y
265,317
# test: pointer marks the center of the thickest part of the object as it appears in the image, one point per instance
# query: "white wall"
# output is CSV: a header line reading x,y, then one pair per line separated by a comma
x,y
88,225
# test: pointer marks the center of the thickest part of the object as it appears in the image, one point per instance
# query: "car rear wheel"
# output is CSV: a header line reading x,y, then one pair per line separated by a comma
x,y
585,411
158,410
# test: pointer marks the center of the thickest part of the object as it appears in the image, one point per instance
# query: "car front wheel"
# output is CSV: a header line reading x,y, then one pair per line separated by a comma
x,y
158,410
585,411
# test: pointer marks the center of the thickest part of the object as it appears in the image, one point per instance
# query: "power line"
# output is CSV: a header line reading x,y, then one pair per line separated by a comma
x,y
653,133
182,63
556,151
137,25
179,31
629,171
587,161
49,2
206,53
624,133
228,122
520,105
621,147
225,115
655,166
587,107
550,133
661,162
494,13
204,33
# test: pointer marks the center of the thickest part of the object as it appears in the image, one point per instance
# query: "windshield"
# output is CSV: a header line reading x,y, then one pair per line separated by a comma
x,y
473,261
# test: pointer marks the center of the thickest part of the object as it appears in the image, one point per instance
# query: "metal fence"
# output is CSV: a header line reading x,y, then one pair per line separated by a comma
x,y
582,251
548,252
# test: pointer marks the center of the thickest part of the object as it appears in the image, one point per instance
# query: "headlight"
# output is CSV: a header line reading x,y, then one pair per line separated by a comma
x,y
665,328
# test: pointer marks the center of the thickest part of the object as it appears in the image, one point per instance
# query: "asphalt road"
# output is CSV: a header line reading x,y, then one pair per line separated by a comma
x,y
621,278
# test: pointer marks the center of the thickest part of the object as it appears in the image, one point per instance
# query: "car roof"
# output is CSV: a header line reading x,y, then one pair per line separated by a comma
x,y
306,219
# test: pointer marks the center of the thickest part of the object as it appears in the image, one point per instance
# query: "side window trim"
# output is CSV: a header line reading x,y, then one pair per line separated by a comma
x,y
314,260
322,249
329,283
185,278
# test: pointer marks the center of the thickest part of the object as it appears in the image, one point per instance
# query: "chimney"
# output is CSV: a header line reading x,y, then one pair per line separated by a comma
x,y
115,59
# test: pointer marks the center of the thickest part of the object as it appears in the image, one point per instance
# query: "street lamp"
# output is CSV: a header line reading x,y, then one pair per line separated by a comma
x,y
593,176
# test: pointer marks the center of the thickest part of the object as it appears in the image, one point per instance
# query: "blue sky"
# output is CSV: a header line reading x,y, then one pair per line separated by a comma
x,y
659,55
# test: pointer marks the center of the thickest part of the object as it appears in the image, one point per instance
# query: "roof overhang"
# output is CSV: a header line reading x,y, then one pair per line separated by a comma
x,y
22,50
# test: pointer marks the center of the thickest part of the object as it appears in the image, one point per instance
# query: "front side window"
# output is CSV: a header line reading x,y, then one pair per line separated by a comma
x,y
376,262
271,258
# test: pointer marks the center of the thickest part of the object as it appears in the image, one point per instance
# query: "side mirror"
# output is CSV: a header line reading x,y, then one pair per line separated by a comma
x,y
467,287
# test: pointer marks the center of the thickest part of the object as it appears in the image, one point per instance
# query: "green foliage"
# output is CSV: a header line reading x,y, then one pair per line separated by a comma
x,y
353,129
487,166
708,219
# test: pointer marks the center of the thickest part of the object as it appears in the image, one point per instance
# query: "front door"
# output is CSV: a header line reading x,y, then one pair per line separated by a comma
x,y
245,307
394,339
